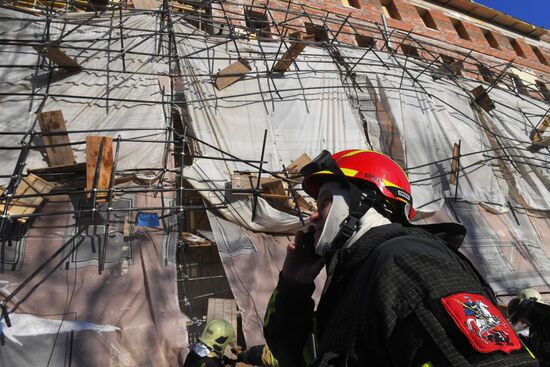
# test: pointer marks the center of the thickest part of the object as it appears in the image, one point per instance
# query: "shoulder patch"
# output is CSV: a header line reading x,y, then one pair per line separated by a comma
x,y
481,322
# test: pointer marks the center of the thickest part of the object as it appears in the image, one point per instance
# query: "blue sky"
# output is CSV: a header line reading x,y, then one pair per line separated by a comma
x,y
536,12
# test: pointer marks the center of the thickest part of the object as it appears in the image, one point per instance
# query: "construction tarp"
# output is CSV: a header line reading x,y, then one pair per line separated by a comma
x,y
416,116
412,116
431,113
252,262
301,113
115,95
128,315
69,314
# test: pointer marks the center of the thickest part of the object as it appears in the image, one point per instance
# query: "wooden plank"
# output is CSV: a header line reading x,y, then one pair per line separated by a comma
x,y
482,98
543,143
30,185
295,49
296,165
275,191
53,122
92,151
165,84
147,4
193,240
455,164
231,74
536,134
243,181
61,171
59,57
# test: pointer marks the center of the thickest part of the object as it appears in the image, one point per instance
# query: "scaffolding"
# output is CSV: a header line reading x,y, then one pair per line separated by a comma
x,y
280,31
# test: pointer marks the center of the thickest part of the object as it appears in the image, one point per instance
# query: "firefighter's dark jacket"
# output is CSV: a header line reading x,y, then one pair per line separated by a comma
x,y
194,360
381,305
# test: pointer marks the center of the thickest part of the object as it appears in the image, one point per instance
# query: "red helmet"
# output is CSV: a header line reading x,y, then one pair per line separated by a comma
x,y
370,166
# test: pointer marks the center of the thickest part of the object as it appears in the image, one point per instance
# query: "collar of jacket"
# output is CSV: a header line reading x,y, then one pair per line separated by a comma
x,y
452,234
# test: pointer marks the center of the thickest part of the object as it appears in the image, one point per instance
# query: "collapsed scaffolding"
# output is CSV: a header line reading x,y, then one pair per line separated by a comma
x,y
281,32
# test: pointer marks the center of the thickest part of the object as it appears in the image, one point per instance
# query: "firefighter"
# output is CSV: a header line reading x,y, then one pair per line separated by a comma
x,y
209,350
396,294
258,355
529,308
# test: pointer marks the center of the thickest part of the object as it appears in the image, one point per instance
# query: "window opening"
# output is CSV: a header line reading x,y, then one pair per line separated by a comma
x,y
427,18
410,51
365,41
460,29
539,55
517,84
389,9
515,45
486,73
351,4
258,23
319,31
491,40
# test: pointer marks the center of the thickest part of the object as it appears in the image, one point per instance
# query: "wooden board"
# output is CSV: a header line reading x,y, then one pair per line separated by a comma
x,y
59,57
296,165
147,4
69,169
30,185
482,98
92,152
536,134
295,49
192,240
53,122
224,309
543,143
274,190
231,74
455,164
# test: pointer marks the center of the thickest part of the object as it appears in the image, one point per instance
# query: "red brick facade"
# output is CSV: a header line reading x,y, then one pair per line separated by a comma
x,y
365,16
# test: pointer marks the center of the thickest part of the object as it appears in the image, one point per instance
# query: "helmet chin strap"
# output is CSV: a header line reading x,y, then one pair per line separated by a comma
x,y
339,211
349,205
361,202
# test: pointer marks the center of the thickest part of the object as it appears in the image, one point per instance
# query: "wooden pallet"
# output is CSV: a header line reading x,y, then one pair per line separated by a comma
x,y
30,185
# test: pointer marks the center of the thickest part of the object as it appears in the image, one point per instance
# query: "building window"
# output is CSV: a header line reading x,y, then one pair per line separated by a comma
x,y
539,55
319,31
543,90
516,47
258,23
389,9
491,40
517,84
426,18
351,4
486,73
410,51
451,65
460,29
365,41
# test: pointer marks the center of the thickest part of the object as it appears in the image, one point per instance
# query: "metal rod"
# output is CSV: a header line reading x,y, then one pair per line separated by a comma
x,y
255,202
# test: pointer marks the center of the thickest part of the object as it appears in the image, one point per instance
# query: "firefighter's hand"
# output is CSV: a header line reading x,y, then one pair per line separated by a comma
x,y
302,264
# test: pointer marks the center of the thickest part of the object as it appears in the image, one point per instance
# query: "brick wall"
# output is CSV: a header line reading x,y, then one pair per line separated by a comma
x,y
371,10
